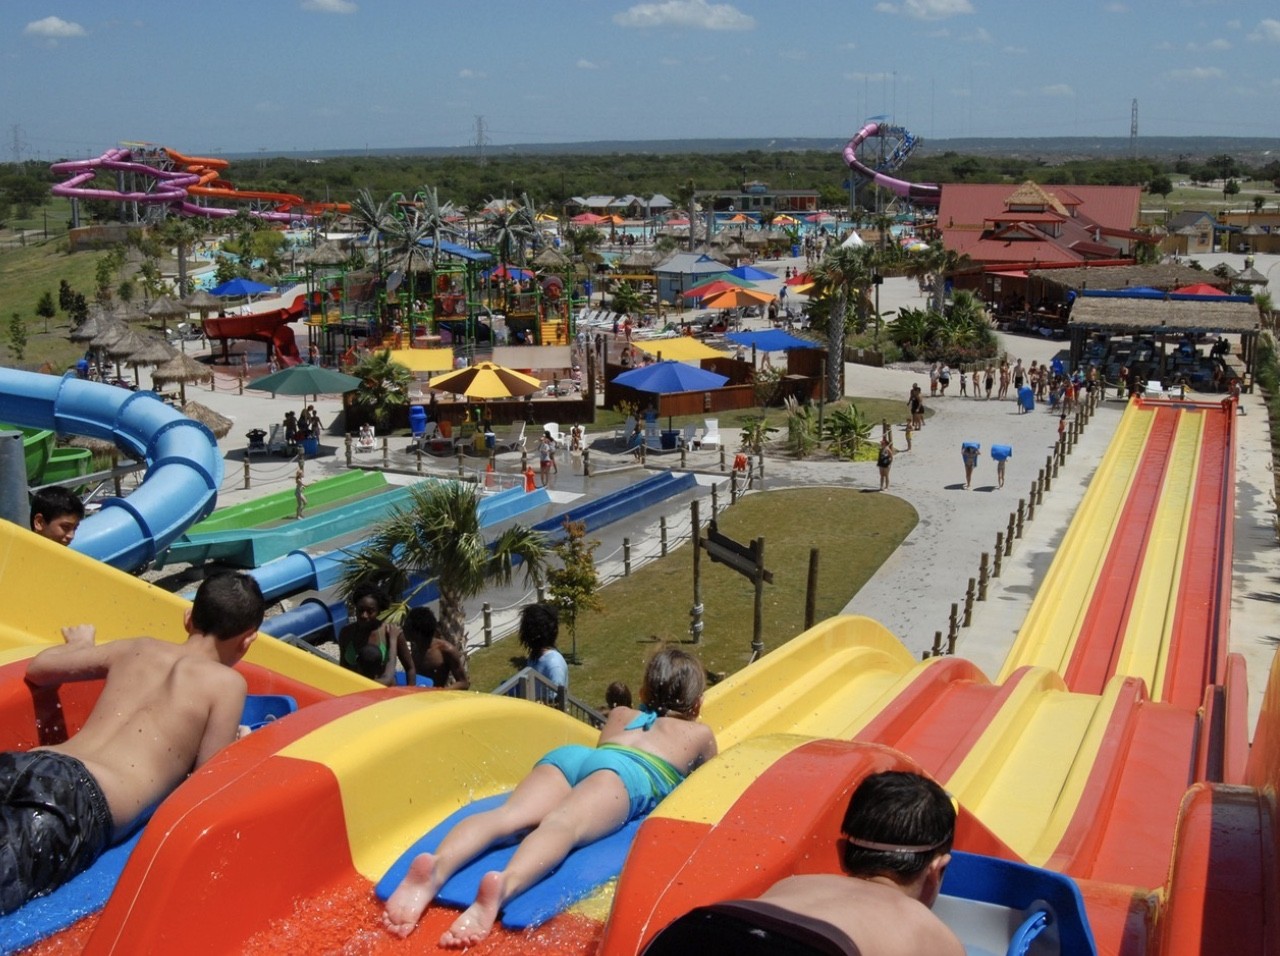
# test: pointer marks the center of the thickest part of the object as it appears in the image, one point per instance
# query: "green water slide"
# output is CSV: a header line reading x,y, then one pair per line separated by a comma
x,y
280,505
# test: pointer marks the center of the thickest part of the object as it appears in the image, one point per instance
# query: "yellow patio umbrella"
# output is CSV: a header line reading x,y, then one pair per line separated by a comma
x,y
737,299
486,380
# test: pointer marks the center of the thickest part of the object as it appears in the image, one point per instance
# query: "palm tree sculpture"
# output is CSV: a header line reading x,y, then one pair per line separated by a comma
x,y
373,218
435,219
438,537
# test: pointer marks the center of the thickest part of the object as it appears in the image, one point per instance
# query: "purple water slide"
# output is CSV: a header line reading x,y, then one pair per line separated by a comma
x,y
922,194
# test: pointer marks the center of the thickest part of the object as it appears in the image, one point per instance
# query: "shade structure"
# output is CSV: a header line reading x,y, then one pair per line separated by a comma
x,y
217,423
737,299
202,302
1199,288
156,352
680,349
588,219
305,380
165,308
424,360
721,283
89,329
514,273
486,380
751,273
181,369
665,377
668,376
785,220
239,287
326,253
770,340
800,278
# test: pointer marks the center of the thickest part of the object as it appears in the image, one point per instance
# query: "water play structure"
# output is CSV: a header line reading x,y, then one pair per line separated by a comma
x,y
896,145
155,176
1106,784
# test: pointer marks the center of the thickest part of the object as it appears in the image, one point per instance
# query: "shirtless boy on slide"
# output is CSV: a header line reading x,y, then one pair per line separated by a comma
x,y
164,710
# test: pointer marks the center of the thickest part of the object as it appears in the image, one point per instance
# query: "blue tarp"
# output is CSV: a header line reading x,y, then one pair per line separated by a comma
x,y
1142,293
770,340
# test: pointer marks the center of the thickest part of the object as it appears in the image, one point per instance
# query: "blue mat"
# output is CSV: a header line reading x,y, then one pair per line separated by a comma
x,y
585,869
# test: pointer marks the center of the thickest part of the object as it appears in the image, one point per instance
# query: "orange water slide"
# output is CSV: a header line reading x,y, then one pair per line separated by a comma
x,y
212,186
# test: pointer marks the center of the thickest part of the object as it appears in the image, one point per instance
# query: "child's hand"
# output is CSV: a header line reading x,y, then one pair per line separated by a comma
x,y
81,635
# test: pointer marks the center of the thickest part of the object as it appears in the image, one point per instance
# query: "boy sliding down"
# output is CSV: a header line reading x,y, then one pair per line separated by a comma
x,y
164,710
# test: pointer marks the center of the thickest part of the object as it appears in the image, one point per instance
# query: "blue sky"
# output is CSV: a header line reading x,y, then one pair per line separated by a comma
x,y
78,76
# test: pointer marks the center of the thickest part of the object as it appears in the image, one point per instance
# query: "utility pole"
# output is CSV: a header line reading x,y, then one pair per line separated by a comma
x,y
1133,130
481,140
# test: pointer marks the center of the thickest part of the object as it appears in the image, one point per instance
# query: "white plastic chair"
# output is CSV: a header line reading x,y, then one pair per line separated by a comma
x,y
711,435
514,440
623,435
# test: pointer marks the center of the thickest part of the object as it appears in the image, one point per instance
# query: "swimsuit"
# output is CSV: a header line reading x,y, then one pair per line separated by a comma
x,y
54,822
647,778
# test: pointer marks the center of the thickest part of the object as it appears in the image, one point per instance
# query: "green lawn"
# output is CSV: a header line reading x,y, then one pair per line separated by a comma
x,y
855,532
26,273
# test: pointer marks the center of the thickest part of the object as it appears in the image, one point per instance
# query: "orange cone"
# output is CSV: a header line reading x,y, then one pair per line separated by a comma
x,y
530,480
488,473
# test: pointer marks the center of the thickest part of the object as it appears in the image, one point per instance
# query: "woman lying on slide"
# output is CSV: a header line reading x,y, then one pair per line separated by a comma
x,y
644,754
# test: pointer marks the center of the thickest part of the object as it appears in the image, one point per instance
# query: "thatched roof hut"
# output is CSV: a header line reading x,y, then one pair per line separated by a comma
x,y
1125,316
1165,277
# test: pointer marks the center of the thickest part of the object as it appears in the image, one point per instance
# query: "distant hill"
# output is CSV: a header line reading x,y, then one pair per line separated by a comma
x,y
1051,149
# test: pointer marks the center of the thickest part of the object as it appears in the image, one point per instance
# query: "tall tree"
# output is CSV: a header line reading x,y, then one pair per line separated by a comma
x,y
438,538
373,218
574,586
841,273
384,385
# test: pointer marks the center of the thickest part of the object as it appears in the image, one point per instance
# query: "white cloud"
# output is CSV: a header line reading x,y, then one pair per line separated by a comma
x,y
695,14
467,73
329,6
1233,24
1217,45
54,28
927,9
587,65
980,35
1058,89
1116,8
1196,73
1265,30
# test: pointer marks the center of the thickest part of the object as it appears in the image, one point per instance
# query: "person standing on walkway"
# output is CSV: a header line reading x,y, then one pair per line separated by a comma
x,y
969,452
299,493
884,461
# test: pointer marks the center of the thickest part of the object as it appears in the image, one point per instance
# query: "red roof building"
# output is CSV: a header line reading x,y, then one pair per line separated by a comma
x,y
1004,225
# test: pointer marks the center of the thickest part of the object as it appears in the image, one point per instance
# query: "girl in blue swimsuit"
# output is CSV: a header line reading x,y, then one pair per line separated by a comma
x,y
573,796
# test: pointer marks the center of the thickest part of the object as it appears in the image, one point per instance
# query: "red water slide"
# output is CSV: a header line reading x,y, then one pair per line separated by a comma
x,y
270,327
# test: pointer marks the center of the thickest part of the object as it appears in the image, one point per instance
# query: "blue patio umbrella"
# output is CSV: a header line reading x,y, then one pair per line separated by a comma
x,y
770,340
663,378
751,273
238,287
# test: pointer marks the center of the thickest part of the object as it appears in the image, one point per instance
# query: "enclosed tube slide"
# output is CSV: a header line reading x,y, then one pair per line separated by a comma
x,y
184,466
922,194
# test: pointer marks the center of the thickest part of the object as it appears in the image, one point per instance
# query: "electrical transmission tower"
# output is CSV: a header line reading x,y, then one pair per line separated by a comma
x,y
1133,130
481,141
16,144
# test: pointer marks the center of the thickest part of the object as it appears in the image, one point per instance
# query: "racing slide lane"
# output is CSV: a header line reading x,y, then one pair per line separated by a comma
x,y
923,194
184,464
1048,633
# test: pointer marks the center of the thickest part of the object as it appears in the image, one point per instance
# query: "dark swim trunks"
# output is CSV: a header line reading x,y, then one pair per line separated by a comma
x,y
54,822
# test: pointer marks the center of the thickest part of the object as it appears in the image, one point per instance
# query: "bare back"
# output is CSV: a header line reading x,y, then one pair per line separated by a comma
x,y
880,919
685,744
163,711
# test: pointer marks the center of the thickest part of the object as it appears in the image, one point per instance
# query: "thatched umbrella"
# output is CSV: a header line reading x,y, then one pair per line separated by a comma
x,y
220,425
327,253
165,308
550,258
124,344
89,329
182,370
156,352
108,332
130,313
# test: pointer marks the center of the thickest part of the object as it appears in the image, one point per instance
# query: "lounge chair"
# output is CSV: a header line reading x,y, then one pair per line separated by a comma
x,y
653,435
257,442
513,440
557,436
623,435
711,435
365,440
278,442
691,437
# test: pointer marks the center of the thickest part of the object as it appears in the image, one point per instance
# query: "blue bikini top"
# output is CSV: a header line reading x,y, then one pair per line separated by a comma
x,y
643,720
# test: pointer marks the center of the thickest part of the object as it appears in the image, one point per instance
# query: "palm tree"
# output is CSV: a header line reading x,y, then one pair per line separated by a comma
x,y
438,537
512,230
384,386
373,218
841,272
406,236
182,235
943,263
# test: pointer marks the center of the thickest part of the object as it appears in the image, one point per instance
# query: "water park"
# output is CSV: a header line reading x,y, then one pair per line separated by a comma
x,y
1102,711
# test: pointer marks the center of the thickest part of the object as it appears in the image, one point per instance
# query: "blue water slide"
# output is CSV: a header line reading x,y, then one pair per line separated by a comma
x,y
315,620
184,465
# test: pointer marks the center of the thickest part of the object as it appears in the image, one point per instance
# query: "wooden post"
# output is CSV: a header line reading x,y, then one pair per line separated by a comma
x,y
695,612
487,610
968,602
984,572
999,553
246,476
662,534
1048,473
461,470
757,618
386,451
1022,510
936,651
733,488
626,557
586,463
953,628
347,441
684,455
722,468
715,500
1031,503
811,591
418,454
1008,535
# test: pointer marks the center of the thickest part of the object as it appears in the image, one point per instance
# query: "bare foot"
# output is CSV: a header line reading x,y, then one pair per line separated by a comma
x,y
404,907
477,920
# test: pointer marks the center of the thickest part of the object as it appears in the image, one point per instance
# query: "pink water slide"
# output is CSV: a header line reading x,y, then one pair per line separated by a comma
x,y
922,194
170,186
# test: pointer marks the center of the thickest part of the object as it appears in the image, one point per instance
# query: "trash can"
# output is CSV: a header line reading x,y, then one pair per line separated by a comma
x,y
669,439
311,447
417,419
795,252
